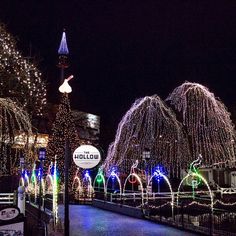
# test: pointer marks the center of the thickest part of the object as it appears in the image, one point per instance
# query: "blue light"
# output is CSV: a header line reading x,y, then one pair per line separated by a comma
x,y
63,49
113,172
25,174
158,171
86,175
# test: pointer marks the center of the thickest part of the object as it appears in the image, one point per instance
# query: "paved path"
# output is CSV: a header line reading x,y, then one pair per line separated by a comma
x,y
90,221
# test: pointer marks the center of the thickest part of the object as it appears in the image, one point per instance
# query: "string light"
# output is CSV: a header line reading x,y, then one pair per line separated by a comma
x,y
159,173
203,126
87,183
112,177
149,123
49,179
19,77
132,173
55,192
99,178
192,174
63,128
12,120
207,123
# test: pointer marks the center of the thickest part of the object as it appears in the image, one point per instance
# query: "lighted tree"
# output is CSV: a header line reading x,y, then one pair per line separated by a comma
x,y
22,95
20,80
206,122
63,128
149,125
13,119
197,123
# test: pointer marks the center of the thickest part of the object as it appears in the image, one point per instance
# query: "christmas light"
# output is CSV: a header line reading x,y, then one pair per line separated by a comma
x,y
49,179
203,127
87,183
192,175
133,174
12,120
149,123
33,182
206,121
100,179
112,177
159,173
76,182
63,128
19,77
139,181
55,193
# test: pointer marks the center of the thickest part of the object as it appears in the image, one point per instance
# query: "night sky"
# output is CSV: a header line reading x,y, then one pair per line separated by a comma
x,y
123,50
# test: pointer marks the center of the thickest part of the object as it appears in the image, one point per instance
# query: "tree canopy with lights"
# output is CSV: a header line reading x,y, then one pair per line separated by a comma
x,y
149,125
22,96
19,79
206,122
192,121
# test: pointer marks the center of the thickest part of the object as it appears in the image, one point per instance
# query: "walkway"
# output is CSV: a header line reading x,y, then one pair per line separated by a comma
x,y
90,221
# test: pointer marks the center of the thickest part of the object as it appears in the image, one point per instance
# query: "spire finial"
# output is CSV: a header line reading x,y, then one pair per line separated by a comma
x,y
63,48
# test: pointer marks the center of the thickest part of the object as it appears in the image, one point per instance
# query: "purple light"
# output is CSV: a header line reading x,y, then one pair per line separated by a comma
x,y
63,49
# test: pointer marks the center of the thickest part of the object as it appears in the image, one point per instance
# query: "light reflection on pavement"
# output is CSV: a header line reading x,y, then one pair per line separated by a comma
x,y
90,221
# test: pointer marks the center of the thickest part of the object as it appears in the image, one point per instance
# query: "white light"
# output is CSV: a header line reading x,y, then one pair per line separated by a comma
x,y
65,87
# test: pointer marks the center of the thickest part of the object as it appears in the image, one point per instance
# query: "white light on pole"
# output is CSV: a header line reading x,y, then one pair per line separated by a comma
x,y
65,87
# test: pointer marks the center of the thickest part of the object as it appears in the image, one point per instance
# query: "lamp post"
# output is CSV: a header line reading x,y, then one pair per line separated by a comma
x,y
65,88
146,157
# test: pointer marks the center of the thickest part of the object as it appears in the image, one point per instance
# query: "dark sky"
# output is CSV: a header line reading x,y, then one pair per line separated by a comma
x,y
123,50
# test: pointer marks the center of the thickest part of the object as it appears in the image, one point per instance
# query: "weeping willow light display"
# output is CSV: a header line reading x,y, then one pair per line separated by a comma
x,y
148,125
12,120
20,79
21,89
206,122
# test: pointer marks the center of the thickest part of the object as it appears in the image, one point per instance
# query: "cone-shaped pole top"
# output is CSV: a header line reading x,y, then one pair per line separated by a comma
x,y
63,48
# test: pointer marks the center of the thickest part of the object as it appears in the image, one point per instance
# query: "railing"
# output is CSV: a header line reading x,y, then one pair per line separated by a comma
x,y
136,196
227,191
7,198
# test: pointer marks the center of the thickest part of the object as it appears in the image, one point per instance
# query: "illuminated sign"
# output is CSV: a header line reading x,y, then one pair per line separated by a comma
x,y
86,156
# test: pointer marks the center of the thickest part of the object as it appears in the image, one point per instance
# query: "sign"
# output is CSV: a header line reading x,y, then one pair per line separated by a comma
x,y
86,156
9,213
42,154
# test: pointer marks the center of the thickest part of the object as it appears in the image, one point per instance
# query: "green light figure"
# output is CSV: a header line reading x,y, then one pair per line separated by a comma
x,y
195,179
100,175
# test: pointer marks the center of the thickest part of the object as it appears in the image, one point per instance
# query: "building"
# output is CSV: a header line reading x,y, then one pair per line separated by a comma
x,y
88,127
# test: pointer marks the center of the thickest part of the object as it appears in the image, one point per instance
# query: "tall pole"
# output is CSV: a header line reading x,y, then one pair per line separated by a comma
x,y
62,64
66,199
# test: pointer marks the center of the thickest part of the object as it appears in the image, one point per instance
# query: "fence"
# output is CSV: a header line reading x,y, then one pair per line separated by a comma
x,y
7,198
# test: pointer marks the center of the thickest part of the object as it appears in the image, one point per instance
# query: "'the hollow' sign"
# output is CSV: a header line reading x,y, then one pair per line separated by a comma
x,y
86,156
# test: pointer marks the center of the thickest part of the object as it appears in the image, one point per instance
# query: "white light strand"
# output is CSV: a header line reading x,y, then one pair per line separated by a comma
x,y
206,121
149,124
23,77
